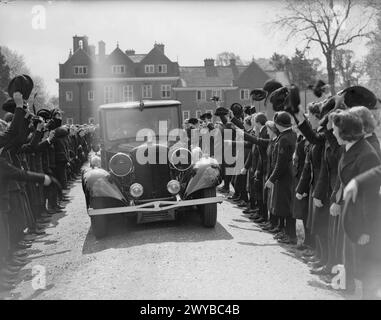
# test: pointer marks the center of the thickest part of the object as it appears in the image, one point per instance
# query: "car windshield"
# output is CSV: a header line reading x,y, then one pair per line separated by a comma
x,y
125,123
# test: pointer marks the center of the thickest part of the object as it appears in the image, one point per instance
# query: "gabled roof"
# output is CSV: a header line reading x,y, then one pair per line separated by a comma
x,y
118,53
252,77
78,53
155,53
196,76
136,58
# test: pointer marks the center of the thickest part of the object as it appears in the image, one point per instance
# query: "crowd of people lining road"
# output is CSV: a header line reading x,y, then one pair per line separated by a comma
x,y
321,166
311,166
40,158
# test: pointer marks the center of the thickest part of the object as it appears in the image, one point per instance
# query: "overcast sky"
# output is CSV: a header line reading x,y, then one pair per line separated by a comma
x,y
190,30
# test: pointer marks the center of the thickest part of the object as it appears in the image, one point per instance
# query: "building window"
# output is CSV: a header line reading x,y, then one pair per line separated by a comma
x,y
149,68
201,95
147,91
162,68
198,113
78,70
90,95
69,121
217,93
165,90
118,69
128,93
69,95
108,94
244,94
186,115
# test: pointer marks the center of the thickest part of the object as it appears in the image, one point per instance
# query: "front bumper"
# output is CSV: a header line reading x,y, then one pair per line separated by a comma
x,y
155,206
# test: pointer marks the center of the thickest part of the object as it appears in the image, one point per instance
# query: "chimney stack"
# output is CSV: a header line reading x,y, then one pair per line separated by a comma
x,y
160,46
92,51
130,52
101,50
80,42
210,68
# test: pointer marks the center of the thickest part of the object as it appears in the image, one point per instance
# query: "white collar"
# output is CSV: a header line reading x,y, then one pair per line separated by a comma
x,y
349,145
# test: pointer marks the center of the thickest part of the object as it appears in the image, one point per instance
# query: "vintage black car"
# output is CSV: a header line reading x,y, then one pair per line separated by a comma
x,y
119,182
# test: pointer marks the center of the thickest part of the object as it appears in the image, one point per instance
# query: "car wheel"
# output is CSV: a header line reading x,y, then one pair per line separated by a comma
x,y
209,211
99,226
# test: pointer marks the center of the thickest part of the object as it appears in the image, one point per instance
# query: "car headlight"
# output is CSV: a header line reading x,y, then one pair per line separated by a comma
x,y
173,187
120,164
136,190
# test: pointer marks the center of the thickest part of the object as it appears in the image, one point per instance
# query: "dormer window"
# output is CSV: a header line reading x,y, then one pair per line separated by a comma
x,y
162,68
79,70
118,69
149,68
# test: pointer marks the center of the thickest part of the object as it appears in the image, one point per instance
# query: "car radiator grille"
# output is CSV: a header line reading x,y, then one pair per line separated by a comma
x,y
146,217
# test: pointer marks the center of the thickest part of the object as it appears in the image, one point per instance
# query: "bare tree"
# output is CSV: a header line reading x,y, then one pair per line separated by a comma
x,y
328,23
223,59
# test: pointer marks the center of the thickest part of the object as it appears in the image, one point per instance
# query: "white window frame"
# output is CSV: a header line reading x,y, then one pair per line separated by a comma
x,y
217,92
108,94
186,115
80,70
165,91
69,95
118,69
163,67
245,93
128,93
90,95
149,68
144,87
198,114
202,95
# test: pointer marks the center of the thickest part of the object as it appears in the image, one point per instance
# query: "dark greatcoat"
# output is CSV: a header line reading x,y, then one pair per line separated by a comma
x,y
363,216
281,176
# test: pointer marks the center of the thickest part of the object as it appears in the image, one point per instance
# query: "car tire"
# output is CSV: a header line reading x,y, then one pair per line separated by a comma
x,y
209,211
99,226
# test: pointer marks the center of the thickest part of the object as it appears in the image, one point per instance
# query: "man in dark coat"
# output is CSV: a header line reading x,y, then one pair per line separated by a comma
x,y
281,177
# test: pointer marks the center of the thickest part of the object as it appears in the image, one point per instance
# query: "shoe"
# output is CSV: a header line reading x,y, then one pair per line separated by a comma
x,y
279,235
320,271
29,237
6,285
300,247
274,230
267,228
23,245
242,204
260,220
223,190
287,240
308,253
9,274
249,211
237,200
254,216
38,232
233,197
20,253
17,262
43,220
315,264
59,207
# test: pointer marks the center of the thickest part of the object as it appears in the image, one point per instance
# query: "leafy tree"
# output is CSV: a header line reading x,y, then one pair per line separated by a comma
x,y
223,59
330,24
348,71
17,65
4,78
279,61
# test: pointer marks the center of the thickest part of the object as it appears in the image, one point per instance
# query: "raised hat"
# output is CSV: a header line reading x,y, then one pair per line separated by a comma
x,y
359,96
258,94
246,110
22,83
318,88
44,113
293,100
206,115
278,98
271,85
